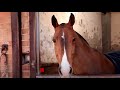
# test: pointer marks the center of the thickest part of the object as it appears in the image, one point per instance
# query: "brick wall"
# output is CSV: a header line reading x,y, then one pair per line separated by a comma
x,y
25,42
5,36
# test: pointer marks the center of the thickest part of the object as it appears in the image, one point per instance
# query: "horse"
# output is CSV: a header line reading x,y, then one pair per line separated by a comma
x,y
74,54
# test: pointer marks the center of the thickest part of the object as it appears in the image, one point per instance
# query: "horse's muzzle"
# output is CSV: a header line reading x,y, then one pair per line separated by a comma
x,y
65,76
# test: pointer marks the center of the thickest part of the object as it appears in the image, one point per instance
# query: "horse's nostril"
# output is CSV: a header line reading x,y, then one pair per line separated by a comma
x,y
70,70
59,71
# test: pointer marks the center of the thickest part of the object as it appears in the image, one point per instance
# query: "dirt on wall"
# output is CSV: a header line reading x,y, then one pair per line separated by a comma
x,y
115,31
87,24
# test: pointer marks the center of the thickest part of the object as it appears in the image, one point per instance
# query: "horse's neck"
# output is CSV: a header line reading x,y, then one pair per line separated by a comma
x,y
83,50
90,60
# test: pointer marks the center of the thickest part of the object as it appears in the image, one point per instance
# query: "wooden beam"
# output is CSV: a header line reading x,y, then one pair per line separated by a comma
x,y
20,40
106,32
32,45
16,52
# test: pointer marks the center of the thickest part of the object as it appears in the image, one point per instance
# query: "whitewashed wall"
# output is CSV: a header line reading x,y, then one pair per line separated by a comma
x,y
88,24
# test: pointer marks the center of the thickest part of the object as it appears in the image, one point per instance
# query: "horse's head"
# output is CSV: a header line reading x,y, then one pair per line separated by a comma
x,y
64,41
74,53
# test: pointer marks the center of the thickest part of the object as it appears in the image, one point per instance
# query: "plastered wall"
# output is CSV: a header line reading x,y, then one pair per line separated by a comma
x,y
115,31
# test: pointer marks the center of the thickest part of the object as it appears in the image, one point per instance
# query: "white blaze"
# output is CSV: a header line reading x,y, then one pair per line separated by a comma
x,y
65,66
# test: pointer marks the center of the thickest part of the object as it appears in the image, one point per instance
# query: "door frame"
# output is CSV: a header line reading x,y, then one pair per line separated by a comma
x,y
17,45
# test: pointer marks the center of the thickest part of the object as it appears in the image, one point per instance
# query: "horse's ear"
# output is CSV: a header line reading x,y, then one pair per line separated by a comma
x,y
71,20
54,21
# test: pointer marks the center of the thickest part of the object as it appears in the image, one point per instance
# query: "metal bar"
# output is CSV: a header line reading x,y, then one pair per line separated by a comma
x,y
38,42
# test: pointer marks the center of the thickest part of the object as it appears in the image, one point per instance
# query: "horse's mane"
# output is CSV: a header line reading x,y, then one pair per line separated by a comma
x,y
81,37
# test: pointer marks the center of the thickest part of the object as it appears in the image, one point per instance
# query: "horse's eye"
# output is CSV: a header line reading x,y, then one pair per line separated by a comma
x,y
54,40
73,40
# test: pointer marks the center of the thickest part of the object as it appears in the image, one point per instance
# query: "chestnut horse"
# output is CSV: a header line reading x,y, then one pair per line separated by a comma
x,y
74,54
